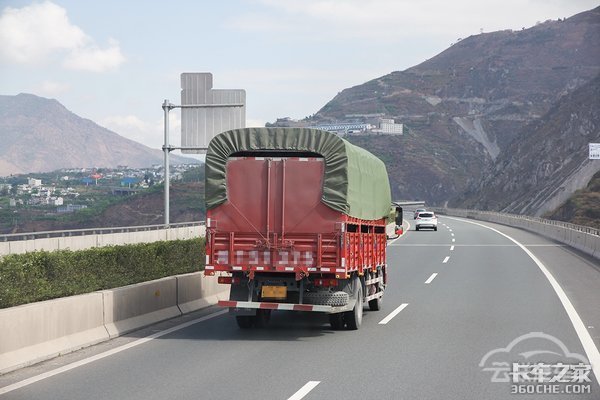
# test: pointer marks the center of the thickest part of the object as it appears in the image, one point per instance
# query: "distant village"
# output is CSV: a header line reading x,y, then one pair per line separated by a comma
x,y
63,189
353,124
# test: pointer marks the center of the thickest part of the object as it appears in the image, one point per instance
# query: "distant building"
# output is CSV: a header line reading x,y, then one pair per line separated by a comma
x,y
12,203
129,180
390,127
32,182
343,128
70,208
56,201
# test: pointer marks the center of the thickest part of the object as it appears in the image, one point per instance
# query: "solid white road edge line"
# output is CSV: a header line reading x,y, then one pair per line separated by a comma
x,y
432,277
100,356
304,390
446,260
393,314
584,336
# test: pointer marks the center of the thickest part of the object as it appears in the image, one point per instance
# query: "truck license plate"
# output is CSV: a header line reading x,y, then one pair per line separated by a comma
x,y
274,292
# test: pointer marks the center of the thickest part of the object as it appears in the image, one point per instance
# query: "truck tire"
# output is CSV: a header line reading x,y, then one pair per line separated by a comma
x,y
262,318
354,318
245,321
336,321
375,304
334,299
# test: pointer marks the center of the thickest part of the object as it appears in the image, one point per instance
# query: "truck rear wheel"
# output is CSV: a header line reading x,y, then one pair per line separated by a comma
x,y
354,318
375,304
262,318
245,321
336,321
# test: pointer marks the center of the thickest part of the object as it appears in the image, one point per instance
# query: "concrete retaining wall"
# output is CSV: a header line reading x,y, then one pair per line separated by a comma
x,y
35,332
582,239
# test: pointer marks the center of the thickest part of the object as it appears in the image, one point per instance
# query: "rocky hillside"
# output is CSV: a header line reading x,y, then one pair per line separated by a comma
x,y
465,106
583,208
39,135
547,161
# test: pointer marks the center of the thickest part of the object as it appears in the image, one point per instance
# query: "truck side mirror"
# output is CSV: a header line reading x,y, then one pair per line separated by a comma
x,y
399,216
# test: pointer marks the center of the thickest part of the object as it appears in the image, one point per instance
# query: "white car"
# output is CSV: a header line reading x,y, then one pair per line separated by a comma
x,y
417,211
426,219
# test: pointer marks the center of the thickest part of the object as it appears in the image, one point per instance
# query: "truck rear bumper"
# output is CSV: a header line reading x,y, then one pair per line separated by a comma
x,y
285,306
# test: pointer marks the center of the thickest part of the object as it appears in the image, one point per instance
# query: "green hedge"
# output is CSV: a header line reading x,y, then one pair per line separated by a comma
x,y
42,275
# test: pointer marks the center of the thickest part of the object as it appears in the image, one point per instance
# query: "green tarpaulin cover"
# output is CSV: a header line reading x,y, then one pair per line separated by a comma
x,y
355,183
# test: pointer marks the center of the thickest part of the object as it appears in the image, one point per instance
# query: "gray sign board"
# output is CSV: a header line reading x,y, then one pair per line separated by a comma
x,y
206,112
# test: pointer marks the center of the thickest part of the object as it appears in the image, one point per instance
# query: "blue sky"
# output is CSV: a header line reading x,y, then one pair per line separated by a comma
x,y
115,61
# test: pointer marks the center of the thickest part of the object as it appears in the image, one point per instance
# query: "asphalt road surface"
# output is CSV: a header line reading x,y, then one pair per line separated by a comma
x,y
464,307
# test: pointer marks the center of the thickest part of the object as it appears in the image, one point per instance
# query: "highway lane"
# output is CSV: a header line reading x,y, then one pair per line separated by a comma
x,y
486,294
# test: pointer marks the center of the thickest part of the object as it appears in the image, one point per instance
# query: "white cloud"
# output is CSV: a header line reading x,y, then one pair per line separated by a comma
x,y
149,133
94,59
52,88
125,121
131,127
33,34
255,123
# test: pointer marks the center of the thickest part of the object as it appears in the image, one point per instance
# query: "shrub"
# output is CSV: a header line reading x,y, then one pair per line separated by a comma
x,y
42,275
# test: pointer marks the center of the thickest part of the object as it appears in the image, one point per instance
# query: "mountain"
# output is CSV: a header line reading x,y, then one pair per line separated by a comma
x,y
465,106
547,161
40,135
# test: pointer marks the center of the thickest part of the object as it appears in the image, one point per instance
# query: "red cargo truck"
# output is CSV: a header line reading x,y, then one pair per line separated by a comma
x,y
296,221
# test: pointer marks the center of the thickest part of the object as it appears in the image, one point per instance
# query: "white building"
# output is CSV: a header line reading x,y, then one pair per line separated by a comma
x,y
390,127
32,182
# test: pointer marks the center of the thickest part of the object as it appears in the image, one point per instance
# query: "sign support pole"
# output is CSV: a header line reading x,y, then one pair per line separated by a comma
x,y
167,106
167,148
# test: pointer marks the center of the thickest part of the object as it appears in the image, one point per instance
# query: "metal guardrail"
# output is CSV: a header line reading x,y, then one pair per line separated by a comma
x,y
579,228
93,231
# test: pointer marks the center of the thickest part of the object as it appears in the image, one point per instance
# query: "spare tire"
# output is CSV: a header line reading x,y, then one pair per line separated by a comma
x,y
335,299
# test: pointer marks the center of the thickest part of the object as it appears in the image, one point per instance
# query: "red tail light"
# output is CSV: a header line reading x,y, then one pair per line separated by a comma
x,y
325,282
225,280
228,280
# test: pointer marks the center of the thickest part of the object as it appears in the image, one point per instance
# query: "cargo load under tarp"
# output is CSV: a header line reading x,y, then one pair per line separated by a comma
x,y
355,182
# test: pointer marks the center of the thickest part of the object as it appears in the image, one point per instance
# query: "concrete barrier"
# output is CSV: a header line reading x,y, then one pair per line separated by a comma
x,y
196,291
38,331
131,307
578,237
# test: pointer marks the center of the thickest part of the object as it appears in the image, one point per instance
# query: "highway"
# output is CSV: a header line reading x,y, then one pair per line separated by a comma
x,y
456,300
